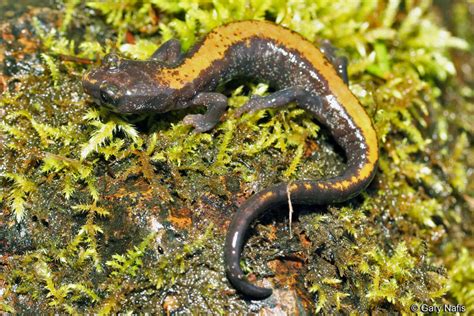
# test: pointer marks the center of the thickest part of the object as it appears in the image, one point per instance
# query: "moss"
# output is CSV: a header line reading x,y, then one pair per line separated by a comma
x,y
460,279
80,184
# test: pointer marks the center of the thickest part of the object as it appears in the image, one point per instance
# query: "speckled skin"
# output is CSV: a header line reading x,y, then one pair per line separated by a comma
x,y
266,52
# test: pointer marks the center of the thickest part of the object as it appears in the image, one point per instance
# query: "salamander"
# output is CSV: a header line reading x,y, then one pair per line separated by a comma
x,y
300,72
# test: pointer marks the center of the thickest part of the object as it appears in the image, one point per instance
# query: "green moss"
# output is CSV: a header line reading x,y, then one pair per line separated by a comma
x,y
461,283
101,182
21,189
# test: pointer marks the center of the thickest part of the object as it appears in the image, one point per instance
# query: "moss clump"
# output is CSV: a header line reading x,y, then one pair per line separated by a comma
x,y
80,184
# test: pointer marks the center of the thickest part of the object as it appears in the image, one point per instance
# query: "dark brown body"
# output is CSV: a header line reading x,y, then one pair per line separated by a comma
x,y
266,52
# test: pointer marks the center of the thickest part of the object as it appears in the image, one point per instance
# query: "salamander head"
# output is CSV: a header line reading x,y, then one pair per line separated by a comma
x,y
127,86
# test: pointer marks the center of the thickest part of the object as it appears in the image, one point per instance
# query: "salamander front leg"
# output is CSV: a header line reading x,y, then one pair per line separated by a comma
x,y
168,53
216,104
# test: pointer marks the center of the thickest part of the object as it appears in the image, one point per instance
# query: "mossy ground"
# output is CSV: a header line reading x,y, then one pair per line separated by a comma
x,y
102,213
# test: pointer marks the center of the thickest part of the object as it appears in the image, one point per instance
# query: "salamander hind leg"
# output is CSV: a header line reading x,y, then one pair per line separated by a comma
x,y
339,62
216,104
275,100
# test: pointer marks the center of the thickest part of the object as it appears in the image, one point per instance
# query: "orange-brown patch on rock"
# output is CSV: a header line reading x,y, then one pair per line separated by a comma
x,y
287,270
3,80
181,218
304,240
29,46
272,233
310,148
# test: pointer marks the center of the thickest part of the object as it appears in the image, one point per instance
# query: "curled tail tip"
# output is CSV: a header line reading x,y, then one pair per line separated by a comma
x,y
259,293
249,290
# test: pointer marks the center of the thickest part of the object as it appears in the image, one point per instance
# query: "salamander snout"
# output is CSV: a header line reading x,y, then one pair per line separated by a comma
x,y
100,82
104,92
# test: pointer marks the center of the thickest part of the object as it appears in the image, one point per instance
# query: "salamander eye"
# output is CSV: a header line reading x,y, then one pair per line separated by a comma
x,y
111,61
109,94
